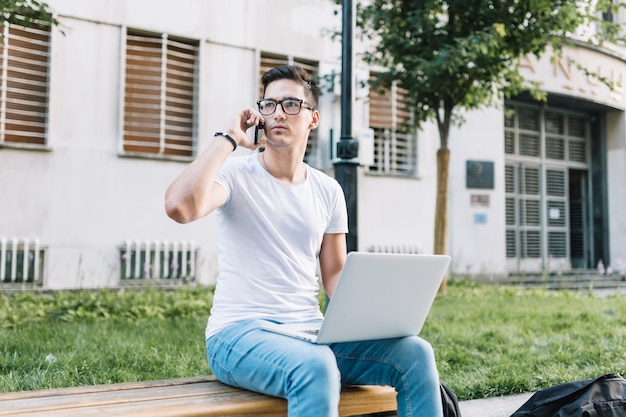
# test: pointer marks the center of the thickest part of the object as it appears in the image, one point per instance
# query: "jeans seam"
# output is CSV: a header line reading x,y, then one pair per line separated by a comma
x,y
213,358
395,366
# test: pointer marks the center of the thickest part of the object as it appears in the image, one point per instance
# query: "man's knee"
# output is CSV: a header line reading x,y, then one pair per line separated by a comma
x,y
425,348
318,368
417,355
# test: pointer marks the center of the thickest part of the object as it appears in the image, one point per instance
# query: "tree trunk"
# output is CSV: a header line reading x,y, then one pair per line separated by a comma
x,y
441,208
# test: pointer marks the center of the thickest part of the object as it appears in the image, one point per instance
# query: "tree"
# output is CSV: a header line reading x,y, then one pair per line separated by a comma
x,y
464,55
26,13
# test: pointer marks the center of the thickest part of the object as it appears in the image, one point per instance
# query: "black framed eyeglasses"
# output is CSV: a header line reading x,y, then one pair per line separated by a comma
x,y
290,106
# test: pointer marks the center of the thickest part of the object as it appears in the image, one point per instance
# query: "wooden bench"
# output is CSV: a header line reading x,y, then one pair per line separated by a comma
x,y
198,396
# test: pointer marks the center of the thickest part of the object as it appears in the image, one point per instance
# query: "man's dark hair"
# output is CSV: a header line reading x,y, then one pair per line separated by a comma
x,y
297,74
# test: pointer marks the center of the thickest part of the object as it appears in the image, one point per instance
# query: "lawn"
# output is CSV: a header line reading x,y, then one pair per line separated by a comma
x,y
494,340
489,340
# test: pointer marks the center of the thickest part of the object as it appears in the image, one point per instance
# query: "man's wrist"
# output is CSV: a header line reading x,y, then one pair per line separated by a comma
x,y
227,136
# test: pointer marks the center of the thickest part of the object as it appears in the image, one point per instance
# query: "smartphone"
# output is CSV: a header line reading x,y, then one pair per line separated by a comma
x,y
258,128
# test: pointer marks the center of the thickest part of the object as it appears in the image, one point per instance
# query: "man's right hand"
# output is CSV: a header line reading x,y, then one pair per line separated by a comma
x,y
244,120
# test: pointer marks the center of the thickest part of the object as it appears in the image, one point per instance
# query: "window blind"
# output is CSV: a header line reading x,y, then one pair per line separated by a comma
x,y
394,146
24,72
159,95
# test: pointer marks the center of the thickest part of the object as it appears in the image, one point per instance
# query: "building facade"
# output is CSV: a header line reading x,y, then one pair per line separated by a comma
x,y
101,113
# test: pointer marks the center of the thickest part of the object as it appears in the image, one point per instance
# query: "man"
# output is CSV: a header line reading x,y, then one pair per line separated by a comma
x,y
278,219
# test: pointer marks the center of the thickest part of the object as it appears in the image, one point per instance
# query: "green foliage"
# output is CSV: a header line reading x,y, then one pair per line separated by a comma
x,y
27,13
464,53
488,340
26,307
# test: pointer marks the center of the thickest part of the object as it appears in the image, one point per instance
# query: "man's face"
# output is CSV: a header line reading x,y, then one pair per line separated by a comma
x,y
284,129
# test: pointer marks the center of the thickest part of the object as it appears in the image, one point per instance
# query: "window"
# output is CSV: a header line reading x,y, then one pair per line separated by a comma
x,y
24,71
271,61
610,22
395,147
160,107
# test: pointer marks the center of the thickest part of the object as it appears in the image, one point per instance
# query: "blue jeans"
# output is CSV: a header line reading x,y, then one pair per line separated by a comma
x,y
310,376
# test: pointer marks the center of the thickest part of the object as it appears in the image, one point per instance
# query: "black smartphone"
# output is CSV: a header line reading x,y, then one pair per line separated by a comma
x,y
258,128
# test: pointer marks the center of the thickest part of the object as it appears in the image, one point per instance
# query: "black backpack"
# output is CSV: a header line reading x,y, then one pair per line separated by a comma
x,y
450,402
604,396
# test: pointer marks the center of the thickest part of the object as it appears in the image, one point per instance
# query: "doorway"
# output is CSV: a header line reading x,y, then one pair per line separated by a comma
x,y
548,199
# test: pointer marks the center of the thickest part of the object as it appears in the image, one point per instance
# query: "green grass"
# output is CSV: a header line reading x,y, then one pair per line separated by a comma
x,y
504,340
51,355
488,340
95,337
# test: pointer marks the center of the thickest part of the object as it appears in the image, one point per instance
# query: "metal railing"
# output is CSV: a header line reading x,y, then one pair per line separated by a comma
x,y
394,248
21,261
158,260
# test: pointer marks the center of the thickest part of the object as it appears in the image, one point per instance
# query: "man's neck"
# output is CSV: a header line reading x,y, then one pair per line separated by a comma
x,y
283,166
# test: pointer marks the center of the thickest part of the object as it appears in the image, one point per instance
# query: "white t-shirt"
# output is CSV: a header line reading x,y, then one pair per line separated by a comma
x,y
269,236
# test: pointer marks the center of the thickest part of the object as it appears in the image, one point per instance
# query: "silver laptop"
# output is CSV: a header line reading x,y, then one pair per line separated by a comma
x,y
378,296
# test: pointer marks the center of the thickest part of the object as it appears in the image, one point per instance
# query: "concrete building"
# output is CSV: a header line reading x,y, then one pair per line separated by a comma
x,y
100,114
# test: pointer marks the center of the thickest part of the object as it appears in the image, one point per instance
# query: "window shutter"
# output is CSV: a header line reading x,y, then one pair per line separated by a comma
x,y
159,98
180,98
394,146
24,70
403,115
404,155
380,107
142,95
578,133
267,63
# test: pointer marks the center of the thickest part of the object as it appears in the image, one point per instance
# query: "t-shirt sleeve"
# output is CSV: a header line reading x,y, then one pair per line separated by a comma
x,y
339,213
225,177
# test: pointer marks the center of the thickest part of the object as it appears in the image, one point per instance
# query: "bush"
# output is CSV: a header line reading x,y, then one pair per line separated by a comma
x,y
20,308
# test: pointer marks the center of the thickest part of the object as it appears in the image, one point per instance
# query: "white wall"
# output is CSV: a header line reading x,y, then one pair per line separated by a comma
x,y
477,232
396,211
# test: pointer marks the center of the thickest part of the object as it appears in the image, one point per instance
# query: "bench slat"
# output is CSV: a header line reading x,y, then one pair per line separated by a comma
x,y
182,397
239,403
53,392
112,395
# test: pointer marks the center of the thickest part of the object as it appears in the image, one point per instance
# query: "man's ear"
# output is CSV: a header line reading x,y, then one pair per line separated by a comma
x,y
315,120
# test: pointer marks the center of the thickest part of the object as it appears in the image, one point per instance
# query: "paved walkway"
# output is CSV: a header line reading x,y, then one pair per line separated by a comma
x,y
493,407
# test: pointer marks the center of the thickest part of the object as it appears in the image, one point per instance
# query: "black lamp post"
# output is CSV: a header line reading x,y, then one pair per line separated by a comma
x,y
347,147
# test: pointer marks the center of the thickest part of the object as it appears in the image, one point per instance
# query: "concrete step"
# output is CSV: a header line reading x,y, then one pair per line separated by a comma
x,y
576,280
